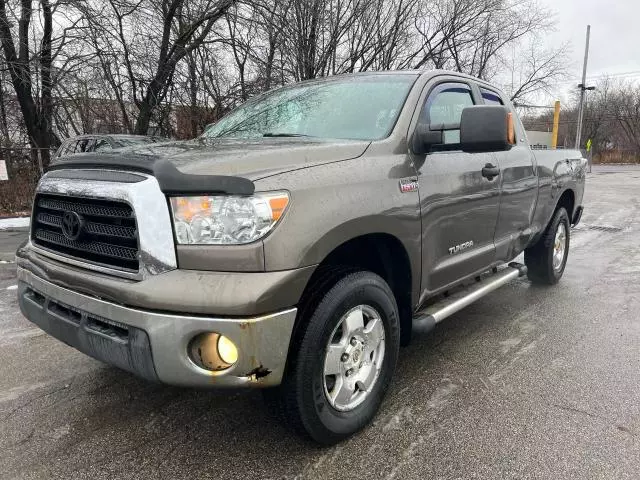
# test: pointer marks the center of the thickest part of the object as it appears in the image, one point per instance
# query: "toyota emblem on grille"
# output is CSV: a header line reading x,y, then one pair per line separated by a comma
x,y
72,224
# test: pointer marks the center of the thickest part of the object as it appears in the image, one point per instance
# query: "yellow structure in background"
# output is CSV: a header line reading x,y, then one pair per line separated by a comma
x,y
556,122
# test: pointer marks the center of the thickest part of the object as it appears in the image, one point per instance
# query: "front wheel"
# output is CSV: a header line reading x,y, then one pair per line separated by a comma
x,y
340,371
547,259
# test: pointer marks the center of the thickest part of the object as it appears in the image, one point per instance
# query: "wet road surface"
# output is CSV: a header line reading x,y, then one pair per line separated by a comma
x,y
528,382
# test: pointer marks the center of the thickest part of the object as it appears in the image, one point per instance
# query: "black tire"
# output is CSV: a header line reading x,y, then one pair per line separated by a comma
x,y
300,401
539,258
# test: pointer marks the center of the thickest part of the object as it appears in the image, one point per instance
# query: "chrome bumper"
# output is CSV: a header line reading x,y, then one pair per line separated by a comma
x,y
262,342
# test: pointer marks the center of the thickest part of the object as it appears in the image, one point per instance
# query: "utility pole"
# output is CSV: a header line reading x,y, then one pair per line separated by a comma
x,y
583,87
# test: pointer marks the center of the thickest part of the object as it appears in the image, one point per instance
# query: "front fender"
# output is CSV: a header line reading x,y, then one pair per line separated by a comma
x,y
354,228
335,203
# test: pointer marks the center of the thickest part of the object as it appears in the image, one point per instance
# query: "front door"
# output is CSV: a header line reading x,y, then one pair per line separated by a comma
x,y
459,206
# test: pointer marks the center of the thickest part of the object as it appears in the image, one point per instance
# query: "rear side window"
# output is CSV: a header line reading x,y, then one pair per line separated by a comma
x,y
444,107
490,98
102,145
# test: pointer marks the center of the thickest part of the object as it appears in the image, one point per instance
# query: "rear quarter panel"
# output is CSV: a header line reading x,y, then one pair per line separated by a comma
x,y
558,171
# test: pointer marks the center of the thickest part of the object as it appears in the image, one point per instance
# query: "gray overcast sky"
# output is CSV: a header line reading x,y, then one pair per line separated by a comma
x,y
615,35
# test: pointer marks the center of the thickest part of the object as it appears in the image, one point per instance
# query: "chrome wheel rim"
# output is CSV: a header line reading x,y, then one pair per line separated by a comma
x,y
353,358
559,247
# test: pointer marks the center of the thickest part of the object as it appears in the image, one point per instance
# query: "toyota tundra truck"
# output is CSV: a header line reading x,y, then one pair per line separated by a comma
x,y
300,241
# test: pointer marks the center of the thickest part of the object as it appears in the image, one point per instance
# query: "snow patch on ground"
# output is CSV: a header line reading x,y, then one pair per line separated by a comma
x,y
17,222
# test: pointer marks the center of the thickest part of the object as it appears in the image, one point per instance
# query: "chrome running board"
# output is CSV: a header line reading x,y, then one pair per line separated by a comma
x,y
426,319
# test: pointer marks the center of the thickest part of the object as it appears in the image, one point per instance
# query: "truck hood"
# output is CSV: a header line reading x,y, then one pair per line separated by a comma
x,y
252,159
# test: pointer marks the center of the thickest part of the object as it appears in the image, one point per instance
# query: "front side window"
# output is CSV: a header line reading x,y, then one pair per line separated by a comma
x,y
360,107
443,109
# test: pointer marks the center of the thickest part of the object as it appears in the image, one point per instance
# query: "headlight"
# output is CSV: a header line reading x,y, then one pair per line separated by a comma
x,y
226,220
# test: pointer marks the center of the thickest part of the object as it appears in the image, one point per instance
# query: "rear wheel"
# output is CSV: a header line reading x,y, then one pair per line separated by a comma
x,y
343,364
547,259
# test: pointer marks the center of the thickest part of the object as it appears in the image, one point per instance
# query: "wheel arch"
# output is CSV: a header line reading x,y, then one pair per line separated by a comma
x,y
568,201
381,253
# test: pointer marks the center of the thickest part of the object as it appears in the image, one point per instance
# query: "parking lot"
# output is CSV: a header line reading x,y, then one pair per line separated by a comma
x,y
529,382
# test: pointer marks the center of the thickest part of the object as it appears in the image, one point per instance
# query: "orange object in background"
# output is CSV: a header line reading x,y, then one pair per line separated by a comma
x,y
511,132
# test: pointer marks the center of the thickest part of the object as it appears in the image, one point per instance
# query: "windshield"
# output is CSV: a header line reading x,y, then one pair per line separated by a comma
x,y
360,107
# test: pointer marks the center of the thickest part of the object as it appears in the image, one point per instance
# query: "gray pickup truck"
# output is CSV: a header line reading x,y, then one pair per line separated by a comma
x,y
300,241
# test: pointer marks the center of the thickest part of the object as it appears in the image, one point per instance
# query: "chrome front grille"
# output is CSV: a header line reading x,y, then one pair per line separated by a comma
x,y
107,231
126,226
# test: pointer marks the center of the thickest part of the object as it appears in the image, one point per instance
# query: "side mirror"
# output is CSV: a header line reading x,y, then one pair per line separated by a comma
x,y
486,128
424,138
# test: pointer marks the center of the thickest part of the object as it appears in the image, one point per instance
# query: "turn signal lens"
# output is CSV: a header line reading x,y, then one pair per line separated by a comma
x,y
278,204
511,132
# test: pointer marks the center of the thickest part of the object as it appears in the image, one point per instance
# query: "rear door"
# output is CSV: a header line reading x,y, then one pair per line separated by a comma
x,y
519,189
459,206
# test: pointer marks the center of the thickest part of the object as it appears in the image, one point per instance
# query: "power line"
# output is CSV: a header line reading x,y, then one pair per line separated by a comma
x,y
524,105
573,122
603,76
632,72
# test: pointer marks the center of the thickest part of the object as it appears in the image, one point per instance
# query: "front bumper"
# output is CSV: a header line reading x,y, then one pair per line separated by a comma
x,y
154,345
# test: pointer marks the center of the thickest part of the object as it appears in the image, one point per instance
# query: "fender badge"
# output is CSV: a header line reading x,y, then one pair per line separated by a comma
x,y
408,185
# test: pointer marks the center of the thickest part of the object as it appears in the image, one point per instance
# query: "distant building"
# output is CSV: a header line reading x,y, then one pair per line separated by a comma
x,y
539,140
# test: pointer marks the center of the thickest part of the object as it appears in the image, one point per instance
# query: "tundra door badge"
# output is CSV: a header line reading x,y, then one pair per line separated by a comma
x,y
459,248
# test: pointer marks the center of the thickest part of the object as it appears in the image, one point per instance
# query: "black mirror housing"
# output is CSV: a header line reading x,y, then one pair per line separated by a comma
x,y
424,138
485,128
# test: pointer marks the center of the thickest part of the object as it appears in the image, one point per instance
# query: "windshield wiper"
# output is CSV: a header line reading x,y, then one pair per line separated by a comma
x,y
278,134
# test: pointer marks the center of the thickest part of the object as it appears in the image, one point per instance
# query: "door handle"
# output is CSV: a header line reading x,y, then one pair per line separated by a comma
x,y
490,171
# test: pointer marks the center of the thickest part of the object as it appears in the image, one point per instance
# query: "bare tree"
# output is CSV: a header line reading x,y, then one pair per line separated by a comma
x,y
35,100
5,138
625,107
315,31
138,64
379,39
268,16
536,69
473,37
39,54
611,119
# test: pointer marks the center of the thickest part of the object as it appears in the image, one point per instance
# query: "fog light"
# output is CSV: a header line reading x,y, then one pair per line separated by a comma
x,y
213,351
227,350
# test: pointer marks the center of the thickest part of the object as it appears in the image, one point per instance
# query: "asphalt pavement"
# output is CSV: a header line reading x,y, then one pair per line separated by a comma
x,y
529,382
